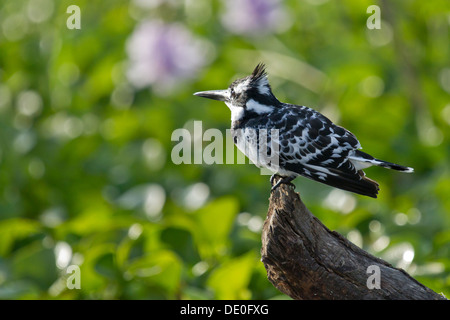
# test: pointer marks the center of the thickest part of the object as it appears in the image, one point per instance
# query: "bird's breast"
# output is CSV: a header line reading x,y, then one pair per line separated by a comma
x,y
256,144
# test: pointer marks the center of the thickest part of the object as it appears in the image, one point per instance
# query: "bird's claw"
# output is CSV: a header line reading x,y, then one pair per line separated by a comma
x,y
272,178
282,180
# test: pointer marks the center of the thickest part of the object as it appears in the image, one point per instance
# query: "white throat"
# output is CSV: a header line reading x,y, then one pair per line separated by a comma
x,y
237,113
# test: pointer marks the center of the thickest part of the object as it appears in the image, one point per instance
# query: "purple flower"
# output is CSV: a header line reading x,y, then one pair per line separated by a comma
x,y
162,55
254,17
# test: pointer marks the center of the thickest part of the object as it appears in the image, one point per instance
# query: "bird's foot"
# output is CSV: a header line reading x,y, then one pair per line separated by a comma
x,y
282,180
272,178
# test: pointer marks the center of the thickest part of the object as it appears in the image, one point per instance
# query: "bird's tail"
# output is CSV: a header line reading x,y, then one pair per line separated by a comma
x,y
353,182
346,179
362,160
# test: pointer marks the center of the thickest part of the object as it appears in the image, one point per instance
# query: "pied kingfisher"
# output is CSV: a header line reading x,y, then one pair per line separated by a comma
x,y
307,143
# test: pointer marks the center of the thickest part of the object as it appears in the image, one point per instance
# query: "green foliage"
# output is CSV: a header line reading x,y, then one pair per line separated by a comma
x,y
86,175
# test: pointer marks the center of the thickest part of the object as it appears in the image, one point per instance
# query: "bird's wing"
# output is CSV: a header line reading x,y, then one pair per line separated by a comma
x,y
310,138
318,149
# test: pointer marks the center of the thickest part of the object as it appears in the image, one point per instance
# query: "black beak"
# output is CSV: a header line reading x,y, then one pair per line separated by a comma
x,y
221,95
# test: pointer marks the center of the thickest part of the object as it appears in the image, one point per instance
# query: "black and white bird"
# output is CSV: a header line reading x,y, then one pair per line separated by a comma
x,y
307,143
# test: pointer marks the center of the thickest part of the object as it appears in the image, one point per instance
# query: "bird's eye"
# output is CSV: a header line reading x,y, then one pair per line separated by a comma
x,y
232,93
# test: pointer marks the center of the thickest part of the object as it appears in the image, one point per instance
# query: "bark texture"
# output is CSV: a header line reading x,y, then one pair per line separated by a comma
x,y
305,260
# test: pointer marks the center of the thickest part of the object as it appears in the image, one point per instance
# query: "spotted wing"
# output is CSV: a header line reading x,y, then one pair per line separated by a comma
x,y
312,146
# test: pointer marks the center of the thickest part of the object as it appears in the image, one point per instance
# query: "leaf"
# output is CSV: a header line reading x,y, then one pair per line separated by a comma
x,y
230,280
181,242
96,267
36,263
15,229
160,268
213,226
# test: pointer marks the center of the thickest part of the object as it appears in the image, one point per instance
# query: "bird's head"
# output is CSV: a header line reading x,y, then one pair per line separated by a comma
x,y
246,97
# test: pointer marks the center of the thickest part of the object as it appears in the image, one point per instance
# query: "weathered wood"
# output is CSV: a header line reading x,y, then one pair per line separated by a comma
x,y
305,260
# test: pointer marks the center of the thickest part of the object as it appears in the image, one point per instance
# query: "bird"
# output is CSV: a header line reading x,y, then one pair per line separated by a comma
x,y
302,140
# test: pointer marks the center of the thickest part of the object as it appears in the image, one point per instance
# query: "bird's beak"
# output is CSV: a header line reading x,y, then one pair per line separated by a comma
x,y
221,95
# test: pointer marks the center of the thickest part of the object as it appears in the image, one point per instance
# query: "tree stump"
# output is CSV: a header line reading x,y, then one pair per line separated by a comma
x,y
305,260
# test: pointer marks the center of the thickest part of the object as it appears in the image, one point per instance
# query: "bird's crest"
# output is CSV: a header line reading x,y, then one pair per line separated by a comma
x,y
259,79
259,72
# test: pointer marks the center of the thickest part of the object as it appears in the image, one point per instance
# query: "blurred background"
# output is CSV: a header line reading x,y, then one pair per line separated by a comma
x,y
86,122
